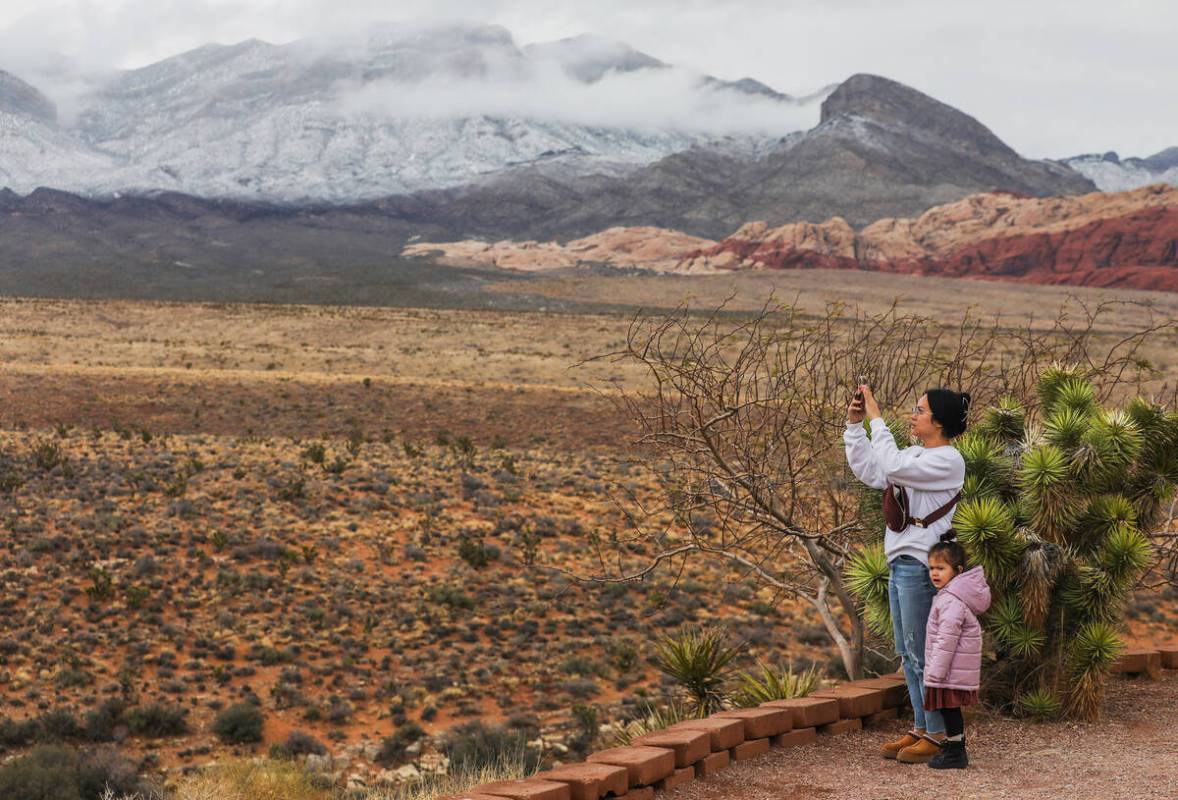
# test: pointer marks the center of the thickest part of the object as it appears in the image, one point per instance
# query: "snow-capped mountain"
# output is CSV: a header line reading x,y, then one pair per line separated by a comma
x,y
34,151
1112,174
396,110
880,150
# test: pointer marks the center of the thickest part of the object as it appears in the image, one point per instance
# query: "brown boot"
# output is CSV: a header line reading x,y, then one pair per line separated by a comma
x,y
890,749
920,753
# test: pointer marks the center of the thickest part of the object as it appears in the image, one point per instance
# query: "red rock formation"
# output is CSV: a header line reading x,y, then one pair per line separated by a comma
x,y
655,249
1124,240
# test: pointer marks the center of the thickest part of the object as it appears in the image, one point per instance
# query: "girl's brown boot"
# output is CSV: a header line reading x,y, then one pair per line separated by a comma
x,y
890,749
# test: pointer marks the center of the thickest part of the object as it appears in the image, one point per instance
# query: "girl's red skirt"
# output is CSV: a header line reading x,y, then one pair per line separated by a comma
x,y
935,698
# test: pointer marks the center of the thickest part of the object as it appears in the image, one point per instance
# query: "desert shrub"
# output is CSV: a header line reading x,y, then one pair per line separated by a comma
x,y
101,584
337,466
474,746
297,744
73,677
47,454
450,595
239,724
98,724
475,553
392,748
622,653
315,452
269,656
58,725
338,710
582,666
53,772
586,719
293,489
264,548
18,733
580,689
136,596
156,720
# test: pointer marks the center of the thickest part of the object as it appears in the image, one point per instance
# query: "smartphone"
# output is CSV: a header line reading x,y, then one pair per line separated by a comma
x,y
862,381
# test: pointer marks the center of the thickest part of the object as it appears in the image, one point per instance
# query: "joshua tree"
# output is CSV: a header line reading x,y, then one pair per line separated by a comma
x,y
1058,508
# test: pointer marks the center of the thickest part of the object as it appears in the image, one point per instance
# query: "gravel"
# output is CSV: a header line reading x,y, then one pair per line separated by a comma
x,y
1132,752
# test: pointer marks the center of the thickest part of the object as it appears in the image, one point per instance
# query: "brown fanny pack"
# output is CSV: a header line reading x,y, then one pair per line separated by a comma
x,y
896,511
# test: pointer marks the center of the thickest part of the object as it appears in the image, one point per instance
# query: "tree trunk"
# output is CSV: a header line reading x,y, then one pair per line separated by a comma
x,y
851,647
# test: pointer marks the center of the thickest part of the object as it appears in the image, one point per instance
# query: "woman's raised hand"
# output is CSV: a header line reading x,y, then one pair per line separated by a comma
x,y
855,409
870,406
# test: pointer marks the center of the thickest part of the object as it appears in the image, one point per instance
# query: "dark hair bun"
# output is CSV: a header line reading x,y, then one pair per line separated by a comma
x,y
950,409
949,535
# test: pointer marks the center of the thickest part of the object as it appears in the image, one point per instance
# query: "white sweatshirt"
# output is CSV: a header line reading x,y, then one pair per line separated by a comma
x,y
932,477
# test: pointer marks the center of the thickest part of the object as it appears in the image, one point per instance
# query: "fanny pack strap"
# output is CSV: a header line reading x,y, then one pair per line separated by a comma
x,y
920,522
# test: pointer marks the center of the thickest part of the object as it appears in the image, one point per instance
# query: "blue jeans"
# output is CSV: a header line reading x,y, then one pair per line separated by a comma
x,y
910,595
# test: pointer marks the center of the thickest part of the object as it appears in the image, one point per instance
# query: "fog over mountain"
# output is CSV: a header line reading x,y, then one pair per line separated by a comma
x,y
1051,78
399,109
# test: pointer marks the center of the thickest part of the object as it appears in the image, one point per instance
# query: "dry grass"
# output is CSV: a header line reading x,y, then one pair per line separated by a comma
x,y
451,784
263,779
946,298
251,780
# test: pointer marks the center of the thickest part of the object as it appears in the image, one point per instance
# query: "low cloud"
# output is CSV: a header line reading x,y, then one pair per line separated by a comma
x,y
1050,78
652,99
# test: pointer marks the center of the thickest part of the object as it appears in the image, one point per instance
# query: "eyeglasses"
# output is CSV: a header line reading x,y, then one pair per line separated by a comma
x,y
917,411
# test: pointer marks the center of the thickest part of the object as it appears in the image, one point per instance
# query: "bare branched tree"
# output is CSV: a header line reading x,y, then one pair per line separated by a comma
x,y
742,418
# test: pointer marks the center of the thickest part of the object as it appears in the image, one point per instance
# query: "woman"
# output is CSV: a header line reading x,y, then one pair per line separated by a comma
x,y
926,481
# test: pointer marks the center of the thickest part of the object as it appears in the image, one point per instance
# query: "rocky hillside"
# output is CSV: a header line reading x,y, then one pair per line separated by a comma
x,y
882,149
1126,240
656,249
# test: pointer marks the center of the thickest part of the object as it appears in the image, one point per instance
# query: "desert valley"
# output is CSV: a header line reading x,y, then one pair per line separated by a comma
x,y
327,443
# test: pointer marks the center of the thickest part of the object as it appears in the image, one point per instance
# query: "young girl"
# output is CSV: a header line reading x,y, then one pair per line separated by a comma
x,y
953,646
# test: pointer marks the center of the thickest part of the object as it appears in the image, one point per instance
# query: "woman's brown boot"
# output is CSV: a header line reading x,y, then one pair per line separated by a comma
x,y
890,749
922,752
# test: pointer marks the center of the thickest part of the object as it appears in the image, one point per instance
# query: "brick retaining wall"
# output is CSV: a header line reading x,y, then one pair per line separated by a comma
x,y
694,749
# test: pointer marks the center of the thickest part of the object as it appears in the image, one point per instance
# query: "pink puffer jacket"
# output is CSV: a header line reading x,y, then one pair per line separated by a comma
x,y
953,639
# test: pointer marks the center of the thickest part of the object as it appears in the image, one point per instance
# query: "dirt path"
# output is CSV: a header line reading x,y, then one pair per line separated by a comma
x,y
1131,753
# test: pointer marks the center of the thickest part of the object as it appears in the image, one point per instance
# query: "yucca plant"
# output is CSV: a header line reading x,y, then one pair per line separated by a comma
x,y
753,687
1053,508
653,718
867,578
699,659
1040,704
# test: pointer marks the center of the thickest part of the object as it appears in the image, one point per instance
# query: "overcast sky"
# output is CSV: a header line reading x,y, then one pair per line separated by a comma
x,y
1051,78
